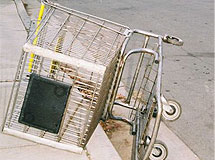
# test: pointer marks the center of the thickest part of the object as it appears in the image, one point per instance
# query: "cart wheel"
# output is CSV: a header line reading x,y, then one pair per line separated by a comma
x,y
159,151
176,111
173,40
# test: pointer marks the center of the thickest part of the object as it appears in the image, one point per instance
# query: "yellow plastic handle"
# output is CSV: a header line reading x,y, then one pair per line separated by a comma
x,y
40,16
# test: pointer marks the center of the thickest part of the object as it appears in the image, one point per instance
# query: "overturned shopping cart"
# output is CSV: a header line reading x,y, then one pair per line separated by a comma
x,y
68,77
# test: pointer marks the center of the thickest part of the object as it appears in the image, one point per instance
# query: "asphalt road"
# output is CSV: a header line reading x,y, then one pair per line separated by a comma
x,y
188,74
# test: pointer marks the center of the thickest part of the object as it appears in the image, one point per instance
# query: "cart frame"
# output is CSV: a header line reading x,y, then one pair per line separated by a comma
x,y
140,150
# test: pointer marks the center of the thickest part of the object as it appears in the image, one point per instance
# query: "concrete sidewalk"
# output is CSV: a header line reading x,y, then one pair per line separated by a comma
x,y
12,36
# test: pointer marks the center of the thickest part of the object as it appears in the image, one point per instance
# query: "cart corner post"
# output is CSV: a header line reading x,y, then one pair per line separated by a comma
x,y
31,60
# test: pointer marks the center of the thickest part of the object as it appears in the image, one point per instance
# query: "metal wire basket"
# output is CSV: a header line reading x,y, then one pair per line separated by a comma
x,y
68,77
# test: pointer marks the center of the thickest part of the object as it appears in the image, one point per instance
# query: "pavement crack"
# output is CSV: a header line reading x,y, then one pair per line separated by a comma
x,y
13,147
192,55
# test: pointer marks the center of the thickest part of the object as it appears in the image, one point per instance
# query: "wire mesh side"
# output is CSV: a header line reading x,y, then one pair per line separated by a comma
x,y
80,106
81,36
145,88
105,93
141,91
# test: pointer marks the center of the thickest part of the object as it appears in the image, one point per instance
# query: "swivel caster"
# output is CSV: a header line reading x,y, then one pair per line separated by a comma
x,y
159,151
173,112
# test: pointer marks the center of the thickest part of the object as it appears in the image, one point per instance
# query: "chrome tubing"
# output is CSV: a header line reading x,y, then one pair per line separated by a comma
x,y
166,38
159,105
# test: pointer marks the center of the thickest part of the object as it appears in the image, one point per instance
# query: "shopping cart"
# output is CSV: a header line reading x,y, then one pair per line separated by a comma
x,y
68,78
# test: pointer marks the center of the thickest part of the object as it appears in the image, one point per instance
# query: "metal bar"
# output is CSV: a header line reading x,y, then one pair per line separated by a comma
x,y
125,58
69,111
139,64
81,105
128,121
13,87
17,90
31,60
166,38
112,46
140,50
76,122
91,42
54,67
62,25
73,126
44,141
87,116
136,138
75,131
49,13
81,76
86,89
113,30
76,35
145,33
148,79
116,79
65,9
87,84
70,116
159,106
69,141
144,76
82,94
124,105
82,98
151,69
64,58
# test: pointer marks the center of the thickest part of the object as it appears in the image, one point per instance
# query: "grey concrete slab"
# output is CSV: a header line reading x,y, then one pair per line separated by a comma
x,y
177,149
12,37
100,148
35,152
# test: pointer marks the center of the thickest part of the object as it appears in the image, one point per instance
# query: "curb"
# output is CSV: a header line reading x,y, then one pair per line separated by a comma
x,y
26,20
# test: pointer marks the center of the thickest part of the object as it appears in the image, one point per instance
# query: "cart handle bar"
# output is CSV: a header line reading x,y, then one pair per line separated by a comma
x,y
166,38
143,50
